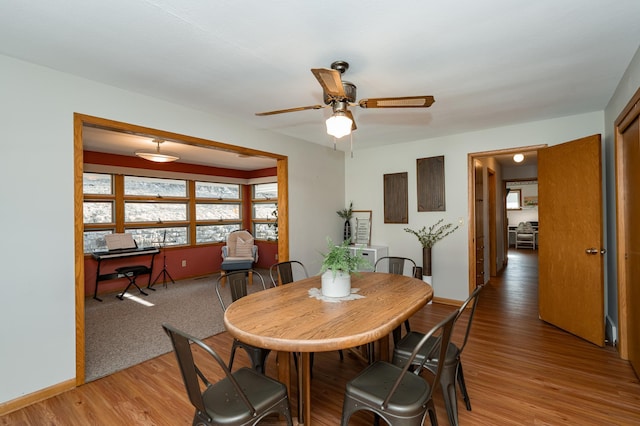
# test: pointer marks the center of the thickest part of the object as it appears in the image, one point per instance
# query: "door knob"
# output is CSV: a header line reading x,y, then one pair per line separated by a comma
x,y
592,251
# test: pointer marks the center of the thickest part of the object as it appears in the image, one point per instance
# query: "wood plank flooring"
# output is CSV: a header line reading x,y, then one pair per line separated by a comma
x,y
519,371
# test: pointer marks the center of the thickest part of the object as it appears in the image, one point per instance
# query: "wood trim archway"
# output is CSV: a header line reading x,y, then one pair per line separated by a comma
x,y
79,121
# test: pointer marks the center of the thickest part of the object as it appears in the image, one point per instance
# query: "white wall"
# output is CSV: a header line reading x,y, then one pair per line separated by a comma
x,y
37,307
364,185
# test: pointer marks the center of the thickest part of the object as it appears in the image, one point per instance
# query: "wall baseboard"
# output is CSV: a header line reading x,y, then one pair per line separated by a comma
x,y
32,398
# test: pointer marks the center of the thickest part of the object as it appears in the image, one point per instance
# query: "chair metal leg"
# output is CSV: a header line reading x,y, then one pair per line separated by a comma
x,y
257,356
234,346
258,359
431,411
463,387
448,385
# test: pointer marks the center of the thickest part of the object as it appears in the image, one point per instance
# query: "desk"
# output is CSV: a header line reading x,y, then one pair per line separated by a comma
x,y
287,319
119,254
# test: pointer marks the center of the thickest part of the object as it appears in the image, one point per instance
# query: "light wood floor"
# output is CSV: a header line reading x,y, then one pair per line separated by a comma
x,y
519,371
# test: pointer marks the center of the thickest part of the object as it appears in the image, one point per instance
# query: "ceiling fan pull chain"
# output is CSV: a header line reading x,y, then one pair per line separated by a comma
x,y
351,134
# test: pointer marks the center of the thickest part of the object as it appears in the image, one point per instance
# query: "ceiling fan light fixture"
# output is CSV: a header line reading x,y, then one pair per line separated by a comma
x,y
156,156
518,158
339,125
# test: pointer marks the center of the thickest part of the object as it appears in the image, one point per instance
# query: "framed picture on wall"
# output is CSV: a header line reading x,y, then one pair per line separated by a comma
x,y
396,198
430,184
362,227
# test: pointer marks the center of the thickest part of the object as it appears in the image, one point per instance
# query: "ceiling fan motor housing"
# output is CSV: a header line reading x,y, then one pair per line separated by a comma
x,y
349,91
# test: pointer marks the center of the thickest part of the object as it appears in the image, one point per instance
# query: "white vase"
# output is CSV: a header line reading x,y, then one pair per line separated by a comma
x,y
338,286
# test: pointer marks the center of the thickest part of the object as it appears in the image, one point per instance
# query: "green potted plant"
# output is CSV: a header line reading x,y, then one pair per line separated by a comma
x,y
337,266
274,224
428,238
347,214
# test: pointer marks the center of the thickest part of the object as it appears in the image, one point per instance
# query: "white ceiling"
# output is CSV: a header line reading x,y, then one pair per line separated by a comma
x,y
487,63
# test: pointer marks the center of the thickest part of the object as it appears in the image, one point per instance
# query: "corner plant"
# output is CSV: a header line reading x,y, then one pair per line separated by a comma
x,y
436,232
274,224
339,258
345,213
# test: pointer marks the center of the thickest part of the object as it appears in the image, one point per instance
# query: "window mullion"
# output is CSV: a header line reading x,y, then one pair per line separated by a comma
x,y
191,211
119,192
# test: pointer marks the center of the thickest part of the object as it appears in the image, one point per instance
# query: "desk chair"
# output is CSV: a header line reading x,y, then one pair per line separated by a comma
x,y
395,393
452,367
525,236
399,266
237,289
241,398
131,273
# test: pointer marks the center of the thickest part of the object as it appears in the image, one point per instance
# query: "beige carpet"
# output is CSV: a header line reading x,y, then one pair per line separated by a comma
x,y
123,333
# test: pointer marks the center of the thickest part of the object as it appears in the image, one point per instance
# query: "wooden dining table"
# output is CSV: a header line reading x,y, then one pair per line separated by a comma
x,y
288,319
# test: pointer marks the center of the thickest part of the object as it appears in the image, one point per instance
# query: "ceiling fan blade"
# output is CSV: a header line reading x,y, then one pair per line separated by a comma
x,y
402,102
353,120
330,81
280,111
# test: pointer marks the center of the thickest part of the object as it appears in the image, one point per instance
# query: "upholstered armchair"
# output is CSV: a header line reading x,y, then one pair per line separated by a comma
x,y
240,246
240,253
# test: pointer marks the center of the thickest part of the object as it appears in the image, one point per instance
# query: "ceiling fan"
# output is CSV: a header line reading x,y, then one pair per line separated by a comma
x,y
341,94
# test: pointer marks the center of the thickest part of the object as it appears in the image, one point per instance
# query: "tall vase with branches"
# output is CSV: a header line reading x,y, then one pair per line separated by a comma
x,y
347,214
428,237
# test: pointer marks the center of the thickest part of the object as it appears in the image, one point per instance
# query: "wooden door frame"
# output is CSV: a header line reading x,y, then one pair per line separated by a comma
x,y
630,112
471,157
493,242
79,121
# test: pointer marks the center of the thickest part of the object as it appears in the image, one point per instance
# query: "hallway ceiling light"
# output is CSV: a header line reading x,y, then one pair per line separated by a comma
x,y
518,158
157,156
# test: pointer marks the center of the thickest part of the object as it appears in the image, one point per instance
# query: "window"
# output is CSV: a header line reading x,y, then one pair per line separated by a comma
x,y
158,211
218,211
514,199
264,208
98,210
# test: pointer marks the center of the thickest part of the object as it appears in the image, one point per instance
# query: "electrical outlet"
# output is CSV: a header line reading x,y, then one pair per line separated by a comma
x,y
276,256
184,263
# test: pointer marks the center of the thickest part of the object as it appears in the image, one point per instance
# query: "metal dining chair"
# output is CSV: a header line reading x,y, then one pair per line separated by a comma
x,y
396,394
399,266
237,287
287,272
452,367
244,397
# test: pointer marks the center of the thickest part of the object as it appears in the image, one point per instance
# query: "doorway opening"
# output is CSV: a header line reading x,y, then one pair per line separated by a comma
x,y
487,172
80,122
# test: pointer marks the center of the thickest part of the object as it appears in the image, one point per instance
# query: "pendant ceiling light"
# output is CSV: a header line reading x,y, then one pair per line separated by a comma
x,y
156,156
339,125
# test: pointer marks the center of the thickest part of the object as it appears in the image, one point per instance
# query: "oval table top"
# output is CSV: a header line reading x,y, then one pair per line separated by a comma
x,y
287,318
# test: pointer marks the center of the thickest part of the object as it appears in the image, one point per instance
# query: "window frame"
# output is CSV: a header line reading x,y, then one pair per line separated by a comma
x,y
518,192
119,200
269,221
